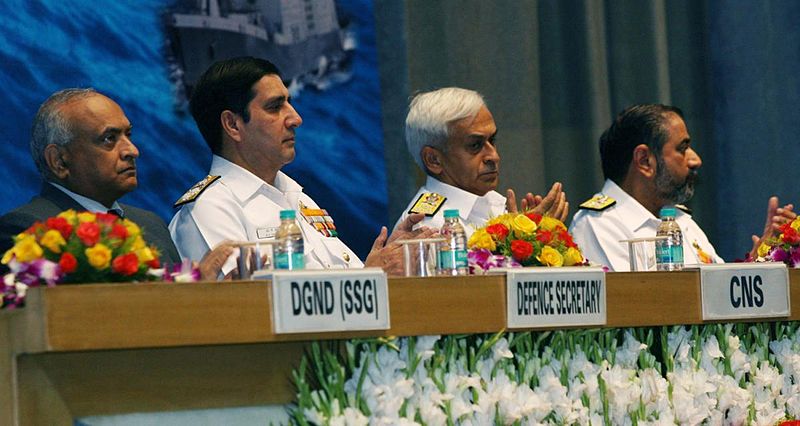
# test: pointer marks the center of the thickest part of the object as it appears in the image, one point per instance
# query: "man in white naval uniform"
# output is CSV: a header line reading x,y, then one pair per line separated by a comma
x,y
648,163
242,109
450,133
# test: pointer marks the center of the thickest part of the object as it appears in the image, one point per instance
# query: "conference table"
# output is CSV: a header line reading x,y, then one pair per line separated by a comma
x,y
101,349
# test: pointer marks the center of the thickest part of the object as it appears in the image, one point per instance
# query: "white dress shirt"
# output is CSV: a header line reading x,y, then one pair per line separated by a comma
x,y
89,204
241,207
598,233
474,210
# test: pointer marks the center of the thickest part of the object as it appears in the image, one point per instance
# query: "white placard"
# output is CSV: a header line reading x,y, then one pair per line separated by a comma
x,y
545,297
328,300
744,290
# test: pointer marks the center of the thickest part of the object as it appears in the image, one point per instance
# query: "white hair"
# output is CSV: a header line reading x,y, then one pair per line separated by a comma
x,y
431,114
50,126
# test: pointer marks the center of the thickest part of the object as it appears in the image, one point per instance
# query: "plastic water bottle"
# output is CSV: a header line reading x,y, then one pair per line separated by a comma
x,y
288,249
669,251
453,251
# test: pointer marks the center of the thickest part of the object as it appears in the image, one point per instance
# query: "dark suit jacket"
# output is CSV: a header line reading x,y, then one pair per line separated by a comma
x,y
52,201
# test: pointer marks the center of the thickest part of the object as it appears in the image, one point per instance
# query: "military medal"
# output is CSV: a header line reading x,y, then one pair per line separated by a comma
x,y
702,255
320,220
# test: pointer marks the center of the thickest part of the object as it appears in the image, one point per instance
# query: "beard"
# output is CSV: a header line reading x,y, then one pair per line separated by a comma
x,y
672,190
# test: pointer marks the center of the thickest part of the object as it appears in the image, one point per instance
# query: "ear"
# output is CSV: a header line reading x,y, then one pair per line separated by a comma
x,y
432,159
57,160
643,161
230,125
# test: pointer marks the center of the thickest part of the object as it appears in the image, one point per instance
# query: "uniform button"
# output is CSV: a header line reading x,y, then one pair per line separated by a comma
x,y
346,257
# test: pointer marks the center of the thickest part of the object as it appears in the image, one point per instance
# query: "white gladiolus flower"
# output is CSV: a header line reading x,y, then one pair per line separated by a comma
x,y
500,350
710,355
679,344
628,354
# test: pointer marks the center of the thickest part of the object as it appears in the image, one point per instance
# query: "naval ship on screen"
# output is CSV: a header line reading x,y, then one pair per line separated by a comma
x,y
303,38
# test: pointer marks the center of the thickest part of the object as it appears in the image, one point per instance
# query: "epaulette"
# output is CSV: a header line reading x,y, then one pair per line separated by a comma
x,y
428,203
684,208
598,203
196,190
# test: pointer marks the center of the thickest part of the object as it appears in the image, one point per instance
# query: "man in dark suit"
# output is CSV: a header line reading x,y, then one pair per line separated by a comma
x,y
81,144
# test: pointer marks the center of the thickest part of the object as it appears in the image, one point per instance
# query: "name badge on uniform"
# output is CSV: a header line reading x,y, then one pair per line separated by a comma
x,y
266,233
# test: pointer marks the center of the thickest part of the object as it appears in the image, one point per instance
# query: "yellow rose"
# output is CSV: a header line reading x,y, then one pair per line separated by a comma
x,y
26,249
796,224
69,215
523,225
53,240
99,256
763,249
145,255
86,217
550,257
482,240
505,219
133,229
551,224
138,243
573,256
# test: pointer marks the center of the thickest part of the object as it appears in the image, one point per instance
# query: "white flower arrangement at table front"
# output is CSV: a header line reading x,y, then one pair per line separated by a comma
x,y
714,374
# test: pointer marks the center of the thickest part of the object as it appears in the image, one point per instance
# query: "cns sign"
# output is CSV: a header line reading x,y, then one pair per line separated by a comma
x,y
742,291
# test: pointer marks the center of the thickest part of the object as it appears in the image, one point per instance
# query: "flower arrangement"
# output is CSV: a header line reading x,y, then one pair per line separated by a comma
x,y
78,247
710,374
522,239
783,248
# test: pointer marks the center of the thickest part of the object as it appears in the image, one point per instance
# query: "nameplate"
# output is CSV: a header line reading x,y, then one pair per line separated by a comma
x,y
329,300
744,290
547,297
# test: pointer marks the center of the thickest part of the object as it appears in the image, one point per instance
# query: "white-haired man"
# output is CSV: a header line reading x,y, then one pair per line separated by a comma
x,y
450,133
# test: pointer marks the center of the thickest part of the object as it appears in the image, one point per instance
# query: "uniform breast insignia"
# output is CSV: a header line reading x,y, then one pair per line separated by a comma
x,y
702,255
428,203
598,203
684,208
196,190
320,220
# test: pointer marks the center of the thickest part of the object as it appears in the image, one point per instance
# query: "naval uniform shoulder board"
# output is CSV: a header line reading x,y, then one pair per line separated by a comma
x,y
684,208
196,190
598,203
428,203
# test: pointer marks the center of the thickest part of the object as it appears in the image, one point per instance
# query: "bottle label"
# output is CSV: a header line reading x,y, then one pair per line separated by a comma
x,y
289,261
452,259
666,253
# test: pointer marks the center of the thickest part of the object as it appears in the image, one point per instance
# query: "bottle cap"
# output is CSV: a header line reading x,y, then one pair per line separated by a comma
x,y
450,213
668,212
288,214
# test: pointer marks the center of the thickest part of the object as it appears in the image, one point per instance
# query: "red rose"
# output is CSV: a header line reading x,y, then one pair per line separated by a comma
x,y
790,236
544,237
521,250
68,263
89,233
118,231
498,231
61,225
126,264
154,264
564,236
536,217
33,228
105,217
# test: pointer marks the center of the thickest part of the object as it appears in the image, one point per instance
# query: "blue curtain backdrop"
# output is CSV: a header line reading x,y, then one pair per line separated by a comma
x,y
755,80
119,49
